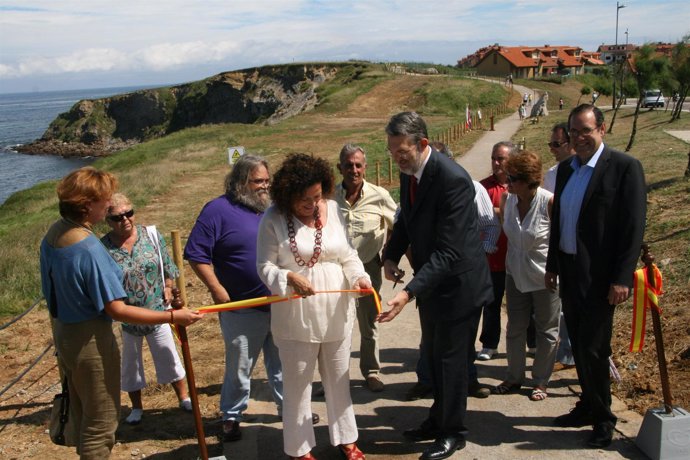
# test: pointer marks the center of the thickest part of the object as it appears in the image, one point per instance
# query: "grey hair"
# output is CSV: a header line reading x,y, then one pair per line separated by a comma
x,y
408,124
237,179
118,199
350,149
512,148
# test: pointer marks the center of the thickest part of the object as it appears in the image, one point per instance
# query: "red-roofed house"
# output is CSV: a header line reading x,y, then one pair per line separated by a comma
x,y
529,62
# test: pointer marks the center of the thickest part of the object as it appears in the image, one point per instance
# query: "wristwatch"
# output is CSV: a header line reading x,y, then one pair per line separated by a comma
x,y
410,294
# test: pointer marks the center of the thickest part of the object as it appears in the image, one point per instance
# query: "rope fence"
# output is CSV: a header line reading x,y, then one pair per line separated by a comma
x,y
21,315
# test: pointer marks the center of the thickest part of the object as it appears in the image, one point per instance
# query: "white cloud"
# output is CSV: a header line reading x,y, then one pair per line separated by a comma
x,y
75,37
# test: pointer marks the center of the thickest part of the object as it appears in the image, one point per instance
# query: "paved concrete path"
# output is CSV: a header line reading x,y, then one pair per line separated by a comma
x,y
682,135
501,427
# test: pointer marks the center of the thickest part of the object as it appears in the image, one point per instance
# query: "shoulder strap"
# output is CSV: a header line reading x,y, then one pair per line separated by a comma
x,y
153,236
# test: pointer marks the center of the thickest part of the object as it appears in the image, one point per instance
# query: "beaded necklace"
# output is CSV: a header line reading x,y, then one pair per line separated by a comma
x,y
317,240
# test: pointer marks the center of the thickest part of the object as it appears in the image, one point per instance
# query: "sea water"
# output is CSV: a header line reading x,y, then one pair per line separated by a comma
x,y
24,117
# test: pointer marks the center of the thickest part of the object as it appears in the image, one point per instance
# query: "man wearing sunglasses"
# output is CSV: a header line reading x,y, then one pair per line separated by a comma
x,y
559,145
561,150
598,223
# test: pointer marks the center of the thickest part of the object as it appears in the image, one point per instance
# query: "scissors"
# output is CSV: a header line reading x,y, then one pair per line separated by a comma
x,y
398,277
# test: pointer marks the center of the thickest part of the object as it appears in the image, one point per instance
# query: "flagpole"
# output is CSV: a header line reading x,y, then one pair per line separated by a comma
x,y
648,260
179,300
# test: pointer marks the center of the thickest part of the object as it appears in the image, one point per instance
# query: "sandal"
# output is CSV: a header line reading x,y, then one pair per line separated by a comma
x,y
538,394
353,453
505,388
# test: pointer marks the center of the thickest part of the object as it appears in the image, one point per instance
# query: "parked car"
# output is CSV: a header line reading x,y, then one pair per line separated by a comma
x,y
653,98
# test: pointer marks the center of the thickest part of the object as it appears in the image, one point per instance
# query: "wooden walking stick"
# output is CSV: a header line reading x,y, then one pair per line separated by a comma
x,y
648,259
179,300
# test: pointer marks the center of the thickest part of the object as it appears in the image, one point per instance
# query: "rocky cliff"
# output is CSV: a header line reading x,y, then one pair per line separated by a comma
x,y
103,126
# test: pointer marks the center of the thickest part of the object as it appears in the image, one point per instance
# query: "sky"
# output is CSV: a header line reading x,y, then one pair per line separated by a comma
x,y
79,44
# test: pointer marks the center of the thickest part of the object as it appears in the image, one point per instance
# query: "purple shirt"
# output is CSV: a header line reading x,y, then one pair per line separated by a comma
x,y
224,236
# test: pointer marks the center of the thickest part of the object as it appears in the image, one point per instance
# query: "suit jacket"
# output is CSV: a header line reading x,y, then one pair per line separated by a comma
x,y
452,276
610,226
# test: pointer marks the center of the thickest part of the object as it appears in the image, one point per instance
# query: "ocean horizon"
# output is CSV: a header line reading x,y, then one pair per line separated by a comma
x,y
24,117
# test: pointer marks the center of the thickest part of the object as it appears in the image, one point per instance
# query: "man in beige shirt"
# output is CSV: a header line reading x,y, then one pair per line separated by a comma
x,y
369,211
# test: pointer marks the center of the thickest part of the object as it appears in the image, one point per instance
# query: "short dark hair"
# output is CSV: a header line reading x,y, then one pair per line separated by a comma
x,y
297,173
582,108
408,124
563,126
512,148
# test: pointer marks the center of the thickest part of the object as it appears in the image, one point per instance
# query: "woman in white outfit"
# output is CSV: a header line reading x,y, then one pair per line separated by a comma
x,y
302,248
526,216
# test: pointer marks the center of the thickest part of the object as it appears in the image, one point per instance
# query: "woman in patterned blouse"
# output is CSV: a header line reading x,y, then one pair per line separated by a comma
x,y
147,286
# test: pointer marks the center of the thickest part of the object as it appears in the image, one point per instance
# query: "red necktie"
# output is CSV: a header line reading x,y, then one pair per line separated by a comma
x,y
413,189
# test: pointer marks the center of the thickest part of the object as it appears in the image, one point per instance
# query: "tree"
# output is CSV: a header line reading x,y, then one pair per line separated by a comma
x,y
584,91
648,69
680,70
620,73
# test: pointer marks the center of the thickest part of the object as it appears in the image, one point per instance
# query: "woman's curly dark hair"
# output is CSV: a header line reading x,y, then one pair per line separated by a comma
x,y
297,173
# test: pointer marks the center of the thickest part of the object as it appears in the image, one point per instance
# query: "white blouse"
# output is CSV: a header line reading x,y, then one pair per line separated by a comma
x,y
321,317
528,241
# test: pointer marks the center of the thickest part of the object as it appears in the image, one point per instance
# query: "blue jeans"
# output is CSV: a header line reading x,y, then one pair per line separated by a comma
x,y
246,333
564,355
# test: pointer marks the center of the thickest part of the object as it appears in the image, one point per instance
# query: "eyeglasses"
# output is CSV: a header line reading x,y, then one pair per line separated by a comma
x,y
260,181
555,144
581,132
121,217
512,178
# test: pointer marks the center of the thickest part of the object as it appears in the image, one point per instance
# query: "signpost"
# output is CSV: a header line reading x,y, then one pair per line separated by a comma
x,y
234,154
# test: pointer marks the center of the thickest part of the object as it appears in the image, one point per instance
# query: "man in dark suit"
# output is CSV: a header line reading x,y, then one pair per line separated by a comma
x,y
599,218
438,221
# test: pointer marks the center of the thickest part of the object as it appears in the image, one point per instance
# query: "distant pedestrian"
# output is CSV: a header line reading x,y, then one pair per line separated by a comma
x,y
522,111
560,103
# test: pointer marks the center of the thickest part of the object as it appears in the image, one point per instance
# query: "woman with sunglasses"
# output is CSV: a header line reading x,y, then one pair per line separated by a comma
x,y
83,288
148,285
526,217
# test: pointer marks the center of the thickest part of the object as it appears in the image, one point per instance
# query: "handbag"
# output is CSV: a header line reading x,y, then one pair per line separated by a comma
x,y
62,432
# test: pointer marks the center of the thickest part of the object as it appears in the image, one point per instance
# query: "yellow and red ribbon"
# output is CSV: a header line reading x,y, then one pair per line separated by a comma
x,y
266,300
645,295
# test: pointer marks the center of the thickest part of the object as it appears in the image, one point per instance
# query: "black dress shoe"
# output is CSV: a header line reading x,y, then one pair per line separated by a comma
x,y
425,432
231,431
601,435
574,419
443,448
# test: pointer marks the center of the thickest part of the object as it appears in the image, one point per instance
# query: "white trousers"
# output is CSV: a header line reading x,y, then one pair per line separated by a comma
x,y
299,362
165,358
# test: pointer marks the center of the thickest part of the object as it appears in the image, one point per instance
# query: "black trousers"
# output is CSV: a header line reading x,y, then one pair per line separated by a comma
x,y
448,345
590,322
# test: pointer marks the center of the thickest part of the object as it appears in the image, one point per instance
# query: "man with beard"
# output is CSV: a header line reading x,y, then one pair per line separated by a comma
x,y
222,252
438,222
369,212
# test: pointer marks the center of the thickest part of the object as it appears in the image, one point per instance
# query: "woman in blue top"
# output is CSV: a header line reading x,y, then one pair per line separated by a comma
x,y
148,277
83,288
